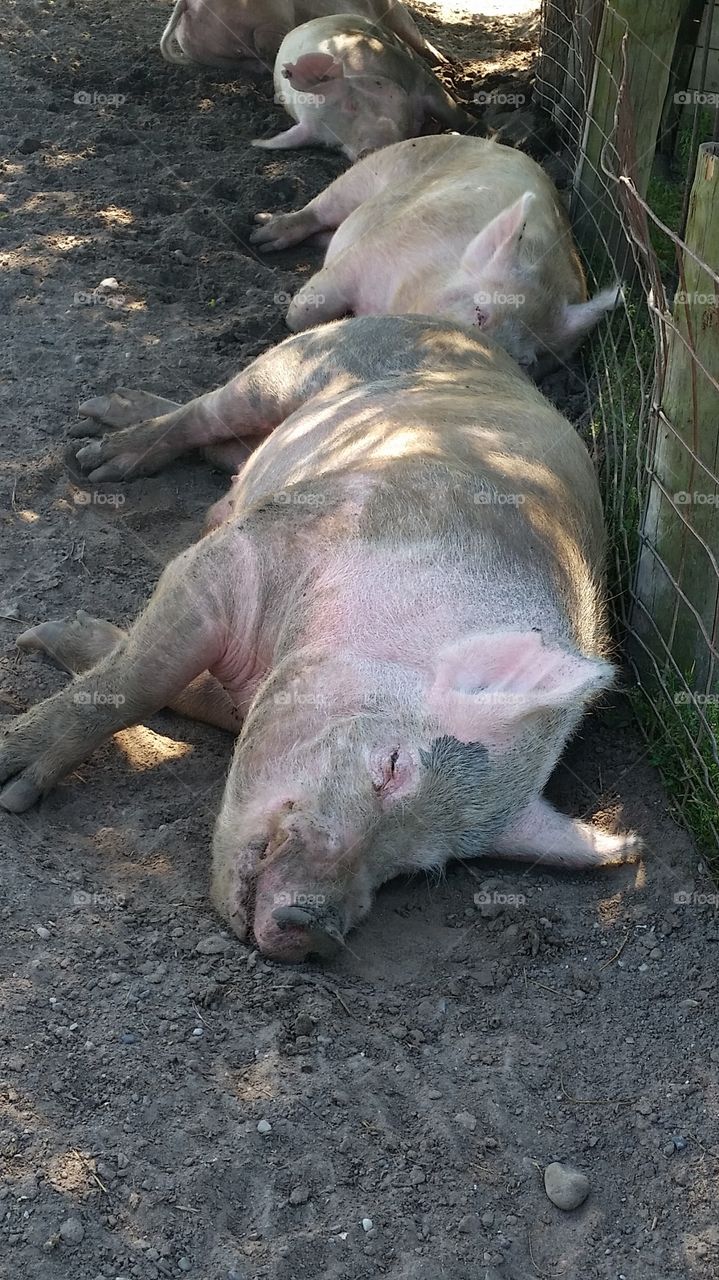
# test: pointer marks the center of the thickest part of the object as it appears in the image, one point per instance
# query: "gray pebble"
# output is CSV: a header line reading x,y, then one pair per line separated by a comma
x,y
299,1195
264,1126
304,1025
466,1120
215,945
72,1231
566,1187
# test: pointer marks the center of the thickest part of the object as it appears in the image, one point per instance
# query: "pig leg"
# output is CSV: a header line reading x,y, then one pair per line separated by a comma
x,y
542,834
327,210
123,408
76,644
300,135
249,406
441,106
185,629
327,296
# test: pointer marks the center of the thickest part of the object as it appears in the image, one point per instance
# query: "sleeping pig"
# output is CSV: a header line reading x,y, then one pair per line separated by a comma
x,y
403,606
453,226
247,33
351,85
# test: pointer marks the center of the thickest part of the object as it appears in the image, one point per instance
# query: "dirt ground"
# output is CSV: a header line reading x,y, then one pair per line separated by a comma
x,y
416,1088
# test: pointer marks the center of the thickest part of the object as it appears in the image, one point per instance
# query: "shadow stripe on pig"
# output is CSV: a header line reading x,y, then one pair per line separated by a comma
x,y
404,604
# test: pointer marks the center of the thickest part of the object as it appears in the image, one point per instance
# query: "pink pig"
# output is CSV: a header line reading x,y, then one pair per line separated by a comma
x,y
248,33
403,611
452,226
353,85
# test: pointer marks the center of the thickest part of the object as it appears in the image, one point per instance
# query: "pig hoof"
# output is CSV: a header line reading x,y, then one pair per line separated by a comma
x,y
123,408
19,795
97,463
73,644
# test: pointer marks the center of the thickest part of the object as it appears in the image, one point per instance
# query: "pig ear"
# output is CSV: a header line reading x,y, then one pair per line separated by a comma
x,y
499,242
486,686
579,318
312,69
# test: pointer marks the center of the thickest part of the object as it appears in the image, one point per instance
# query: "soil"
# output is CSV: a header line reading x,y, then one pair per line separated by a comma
x,y
170,1103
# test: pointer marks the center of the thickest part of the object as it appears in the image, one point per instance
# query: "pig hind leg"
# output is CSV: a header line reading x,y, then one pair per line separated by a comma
x,y
77,644
543,835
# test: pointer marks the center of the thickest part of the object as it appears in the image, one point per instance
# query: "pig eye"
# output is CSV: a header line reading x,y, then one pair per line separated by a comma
x,y
480,317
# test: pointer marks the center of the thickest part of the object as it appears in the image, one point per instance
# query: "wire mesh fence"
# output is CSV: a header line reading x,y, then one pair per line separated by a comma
x,y
642,149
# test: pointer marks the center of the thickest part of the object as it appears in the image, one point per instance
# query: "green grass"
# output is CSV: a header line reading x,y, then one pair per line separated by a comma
x,y
671,724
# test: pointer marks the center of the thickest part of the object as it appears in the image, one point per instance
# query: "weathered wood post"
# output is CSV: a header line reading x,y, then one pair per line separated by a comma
x,y
680,531
634,49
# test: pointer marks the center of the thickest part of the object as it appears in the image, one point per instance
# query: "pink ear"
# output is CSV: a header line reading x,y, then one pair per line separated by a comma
x,y
498,243
486,685
312,69
579,318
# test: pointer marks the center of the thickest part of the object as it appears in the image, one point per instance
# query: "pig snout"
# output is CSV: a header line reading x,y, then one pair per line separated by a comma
x,y
291,933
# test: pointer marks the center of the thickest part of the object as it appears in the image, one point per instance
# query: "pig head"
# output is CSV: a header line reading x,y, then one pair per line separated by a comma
x,y
504,284
346,776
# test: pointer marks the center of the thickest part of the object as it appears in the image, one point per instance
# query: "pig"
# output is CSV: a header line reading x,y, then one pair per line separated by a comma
x,y
403,604
246,34
460,227
350,85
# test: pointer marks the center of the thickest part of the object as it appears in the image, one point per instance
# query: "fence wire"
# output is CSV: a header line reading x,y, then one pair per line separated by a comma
x,y
656,454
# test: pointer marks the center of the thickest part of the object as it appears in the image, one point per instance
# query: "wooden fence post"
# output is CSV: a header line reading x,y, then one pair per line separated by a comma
x,y
634,51
680,530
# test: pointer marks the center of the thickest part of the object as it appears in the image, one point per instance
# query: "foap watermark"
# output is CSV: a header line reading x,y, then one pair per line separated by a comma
x,y
299,899
687,898
295,698
96,298
696,499
299,98
683,699
495,98
83,498
696,98
494,898
687,298
85,99
96,699
493,497
83,898
304,298
286,498
498,299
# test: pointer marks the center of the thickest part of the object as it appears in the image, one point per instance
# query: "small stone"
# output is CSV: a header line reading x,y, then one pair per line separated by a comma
x,y
30,143
184,1264
72,1231
468,1224
264,1126
484,976
566,1187
417,1176
678,1142
466,1120
367,1224
655,954
299,1195
15,1062
213,946
488,1218
304,1025
109,285
42,932
197,1032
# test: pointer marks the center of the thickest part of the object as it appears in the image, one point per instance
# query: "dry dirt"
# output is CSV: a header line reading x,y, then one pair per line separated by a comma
x,y
416,1088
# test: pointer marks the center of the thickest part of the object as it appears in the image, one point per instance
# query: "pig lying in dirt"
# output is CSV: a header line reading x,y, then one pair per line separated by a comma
x,y
352,86
460,227
404,608
248,33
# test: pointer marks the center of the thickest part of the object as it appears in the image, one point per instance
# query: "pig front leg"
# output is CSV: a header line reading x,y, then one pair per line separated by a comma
x,y
542,834
219,422
186,628
328,295
76,644
299,135
327,211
